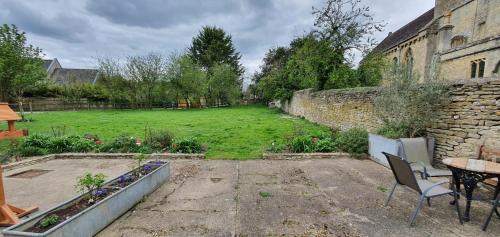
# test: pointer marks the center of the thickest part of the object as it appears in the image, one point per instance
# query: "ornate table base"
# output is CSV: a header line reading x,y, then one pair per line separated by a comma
x,y
470,179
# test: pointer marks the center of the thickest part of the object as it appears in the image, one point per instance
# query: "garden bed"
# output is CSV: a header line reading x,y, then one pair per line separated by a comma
x,y
87,214
161,156
303,156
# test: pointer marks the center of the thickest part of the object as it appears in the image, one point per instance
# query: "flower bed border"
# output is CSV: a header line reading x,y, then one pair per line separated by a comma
x,y
39,159
304,156
95,218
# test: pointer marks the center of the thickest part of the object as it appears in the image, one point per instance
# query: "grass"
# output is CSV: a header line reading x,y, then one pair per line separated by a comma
x,y
242,132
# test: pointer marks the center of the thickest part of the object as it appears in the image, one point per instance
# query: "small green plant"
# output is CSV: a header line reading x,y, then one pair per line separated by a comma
x,y
158,140
122,144
139,159
89,183
265,194
276,147
49,220
354,141
382,189
187,145
303,143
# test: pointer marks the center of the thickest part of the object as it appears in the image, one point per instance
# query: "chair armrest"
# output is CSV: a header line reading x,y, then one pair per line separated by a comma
x,y
433,186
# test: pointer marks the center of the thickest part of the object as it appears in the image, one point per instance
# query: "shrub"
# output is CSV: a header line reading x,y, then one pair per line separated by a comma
x,y
186,145
70,144
37,140
122,144
27,151
89,183
394,131
325,145
408,105
354,141
302,144
159,140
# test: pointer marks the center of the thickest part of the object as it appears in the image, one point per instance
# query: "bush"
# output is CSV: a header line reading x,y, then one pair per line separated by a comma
x,y
159,140
307,143
70,144
122,144
186,145
354,141
37,140
406,106
394,131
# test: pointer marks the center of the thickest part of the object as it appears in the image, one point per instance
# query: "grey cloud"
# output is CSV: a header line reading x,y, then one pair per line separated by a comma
x,y
165,13
61,25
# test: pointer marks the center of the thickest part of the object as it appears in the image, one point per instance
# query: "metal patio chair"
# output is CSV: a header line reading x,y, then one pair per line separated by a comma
x,y
404,176
415,151
496,204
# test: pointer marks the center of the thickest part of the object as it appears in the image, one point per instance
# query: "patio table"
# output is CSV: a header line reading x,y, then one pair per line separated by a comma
x,y
469,172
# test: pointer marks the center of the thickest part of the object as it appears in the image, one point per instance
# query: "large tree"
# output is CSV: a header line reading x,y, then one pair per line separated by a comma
x,y
346,25
213,46
20,65
225,84
147,72
186,78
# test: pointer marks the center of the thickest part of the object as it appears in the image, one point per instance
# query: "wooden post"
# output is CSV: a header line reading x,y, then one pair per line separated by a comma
x,y
12,125
9,215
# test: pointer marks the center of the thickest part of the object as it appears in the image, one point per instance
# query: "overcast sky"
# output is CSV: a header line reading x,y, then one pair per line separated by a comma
x,y
76,32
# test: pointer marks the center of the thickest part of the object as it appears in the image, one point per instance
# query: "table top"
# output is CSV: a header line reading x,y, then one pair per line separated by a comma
x,y
482,166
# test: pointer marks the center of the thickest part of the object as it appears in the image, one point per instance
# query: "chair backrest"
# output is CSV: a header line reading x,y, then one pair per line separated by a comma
x,y
489,154
402,172
415,150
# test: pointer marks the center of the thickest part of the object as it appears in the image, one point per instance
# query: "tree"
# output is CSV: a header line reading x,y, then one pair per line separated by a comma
x,y
212,46
225,84
186,77
146,71
346,25
20,65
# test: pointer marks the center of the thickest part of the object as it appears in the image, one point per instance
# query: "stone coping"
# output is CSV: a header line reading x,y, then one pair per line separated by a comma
x,y
34,160
304,156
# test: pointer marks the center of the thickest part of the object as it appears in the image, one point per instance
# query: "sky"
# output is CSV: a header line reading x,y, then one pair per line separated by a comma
x,y
78,32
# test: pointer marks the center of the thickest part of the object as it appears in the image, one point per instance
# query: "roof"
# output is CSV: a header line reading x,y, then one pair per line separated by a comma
x,y
46,63
7,114
406,32
74,76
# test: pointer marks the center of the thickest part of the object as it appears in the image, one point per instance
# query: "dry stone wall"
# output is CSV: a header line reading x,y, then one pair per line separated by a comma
x,y
341,109
471,117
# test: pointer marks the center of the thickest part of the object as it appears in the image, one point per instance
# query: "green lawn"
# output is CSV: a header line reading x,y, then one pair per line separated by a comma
x,y
230,133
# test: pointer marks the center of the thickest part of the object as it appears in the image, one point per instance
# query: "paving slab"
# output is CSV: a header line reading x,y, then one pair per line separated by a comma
x,y
341,197
336,197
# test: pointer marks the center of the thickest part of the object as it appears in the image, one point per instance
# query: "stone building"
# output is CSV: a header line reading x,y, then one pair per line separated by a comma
x,y
61,76
456,40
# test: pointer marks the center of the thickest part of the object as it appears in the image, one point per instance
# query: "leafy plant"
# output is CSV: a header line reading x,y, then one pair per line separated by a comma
x,y
158,140
89,183
406,106
302,144
325,145
122,144
37,140
49,220
354,141
187,145
139,159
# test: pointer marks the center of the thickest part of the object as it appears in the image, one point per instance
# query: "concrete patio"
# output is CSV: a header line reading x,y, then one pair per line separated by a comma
x,y
339,197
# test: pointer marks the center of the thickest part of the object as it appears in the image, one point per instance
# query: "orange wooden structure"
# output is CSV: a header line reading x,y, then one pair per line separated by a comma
x,y
9,215
7,114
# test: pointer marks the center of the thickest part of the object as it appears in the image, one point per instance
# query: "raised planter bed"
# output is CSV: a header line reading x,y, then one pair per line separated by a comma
x,y
91,219
303,156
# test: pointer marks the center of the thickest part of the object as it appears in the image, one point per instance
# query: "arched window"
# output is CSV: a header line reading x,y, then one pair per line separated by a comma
x,y
394,64
458,41
477,68
409,62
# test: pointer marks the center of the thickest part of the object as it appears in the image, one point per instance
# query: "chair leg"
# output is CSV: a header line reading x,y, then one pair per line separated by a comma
x,y
390,194
417,208
493,209
455,199
429,202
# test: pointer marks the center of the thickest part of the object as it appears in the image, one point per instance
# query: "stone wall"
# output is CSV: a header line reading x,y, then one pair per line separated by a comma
x,y
342,109
473,116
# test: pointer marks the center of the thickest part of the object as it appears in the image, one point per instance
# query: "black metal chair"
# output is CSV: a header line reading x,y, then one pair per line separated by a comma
x,y
404,176
496,203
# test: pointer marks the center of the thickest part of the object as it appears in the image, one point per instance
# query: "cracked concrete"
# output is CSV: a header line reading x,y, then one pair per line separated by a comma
x,y
342,197
338,197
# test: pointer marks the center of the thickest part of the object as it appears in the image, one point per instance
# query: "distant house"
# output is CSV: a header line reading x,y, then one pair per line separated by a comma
x,y
64,76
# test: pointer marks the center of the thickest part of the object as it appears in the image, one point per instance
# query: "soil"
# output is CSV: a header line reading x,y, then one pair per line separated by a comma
x,y
84,203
